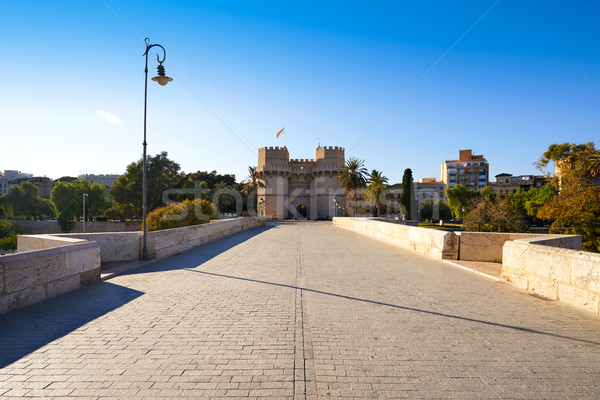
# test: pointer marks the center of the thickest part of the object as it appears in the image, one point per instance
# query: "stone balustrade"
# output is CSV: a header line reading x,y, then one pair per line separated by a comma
x,y
59,265
541,267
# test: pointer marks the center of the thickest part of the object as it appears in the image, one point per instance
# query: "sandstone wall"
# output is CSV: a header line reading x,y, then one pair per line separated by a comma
x,y
539,267
58,267
430,242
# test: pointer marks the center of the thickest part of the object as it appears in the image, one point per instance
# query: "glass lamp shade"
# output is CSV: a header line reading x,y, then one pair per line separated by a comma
x,y
162,79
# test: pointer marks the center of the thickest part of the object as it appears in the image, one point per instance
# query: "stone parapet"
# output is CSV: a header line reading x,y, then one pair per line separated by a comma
x,y
430,242
172,241
487,246
59,266
540,267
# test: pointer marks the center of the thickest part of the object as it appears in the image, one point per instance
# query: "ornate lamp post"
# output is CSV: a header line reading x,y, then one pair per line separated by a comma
x,y
162,80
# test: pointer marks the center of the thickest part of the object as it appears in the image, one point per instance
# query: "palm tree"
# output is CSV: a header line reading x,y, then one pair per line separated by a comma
x,y
253,182
377,189
352,177
592,163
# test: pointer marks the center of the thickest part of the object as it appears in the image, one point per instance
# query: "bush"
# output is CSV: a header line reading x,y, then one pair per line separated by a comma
x,y
488,216
8,235
177,215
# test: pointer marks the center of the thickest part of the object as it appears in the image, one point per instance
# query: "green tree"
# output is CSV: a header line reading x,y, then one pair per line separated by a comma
x,y
67,199
459,199
569,154
592,164
24,201
126,191
488,193
576,209
251,185
352,177
487,216
435,210
8,235
528,202
377,190
407,195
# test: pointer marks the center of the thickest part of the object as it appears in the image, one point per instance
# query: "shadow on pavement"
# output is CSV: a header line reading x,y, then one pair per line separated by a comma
x,y
457,317
198,255
27,329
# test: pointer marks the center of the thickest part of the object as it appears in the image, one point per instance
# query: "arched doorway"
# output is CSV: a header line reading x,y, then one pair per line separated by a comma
x,y
302,210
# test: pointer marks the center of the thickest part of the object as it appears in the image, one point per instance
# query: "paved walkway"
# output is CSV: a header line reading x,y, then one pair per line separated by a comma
x,y
299,311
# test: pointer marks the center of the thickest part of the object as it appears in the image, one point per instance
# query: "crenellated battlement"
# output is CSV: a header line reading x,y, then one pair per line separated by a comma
x,y
301,161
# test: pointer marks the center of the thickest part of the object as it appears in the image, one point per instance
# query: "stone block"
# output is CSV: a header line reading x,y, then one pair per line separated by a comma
x,y
515,279
81,258
61,286
89,276
21,298
543,287
514,257
584,299
29,269
585,271
549,263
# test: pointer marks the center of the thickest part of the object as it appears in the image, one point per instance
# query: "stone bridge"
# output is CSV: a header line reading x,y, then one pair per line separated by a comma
x,y
299,310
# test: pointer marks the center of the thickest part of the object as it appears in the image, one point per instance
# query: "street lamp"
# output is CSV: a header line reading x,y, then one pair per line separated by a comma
x,y
162,80
84,196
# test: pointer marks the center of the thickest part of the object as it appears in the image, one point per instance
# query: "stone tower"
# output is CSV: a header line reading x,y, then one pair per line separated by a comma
x,y
300,188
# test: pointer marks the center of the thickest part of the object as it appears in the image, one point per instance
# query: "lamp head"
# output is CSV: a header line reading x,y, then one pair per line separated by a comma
x,y
161,78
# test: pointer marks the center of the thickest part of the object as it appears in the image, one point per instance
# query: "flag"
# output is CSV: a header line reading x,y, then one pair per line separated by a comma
x,y
279,133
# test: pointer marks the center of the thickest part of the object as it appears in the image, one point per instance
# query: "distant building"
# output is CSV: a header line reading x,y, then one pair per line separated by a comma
x,y
507,183
106,180
469,170
12,175
300,188
3,185
43,184
425,189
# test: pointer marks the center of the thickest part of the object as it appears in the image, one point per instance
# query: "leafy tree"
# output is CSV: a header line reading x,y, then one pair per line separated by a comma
x,y
211,178
353,177
407,195
576,209
528,202
8,235
24,201
488,193
126,191
459,198
435,210
252,183
186,213
377,190
568,154
67,199
487,216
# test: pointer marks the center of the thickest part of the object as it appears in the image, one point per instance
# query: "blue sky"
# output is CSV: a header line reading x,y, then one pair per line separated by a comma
x,y
524,77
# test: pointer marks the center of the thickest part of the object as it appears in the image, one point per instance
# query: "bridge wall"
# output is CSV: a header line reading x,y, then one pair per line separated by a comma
x,y
488,246
430,242
58,266
539,267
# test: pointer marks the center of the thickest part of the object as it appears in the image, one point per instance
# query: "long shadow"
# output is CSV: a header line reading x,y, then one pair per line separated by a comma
x,y
201,254
457,317
27,329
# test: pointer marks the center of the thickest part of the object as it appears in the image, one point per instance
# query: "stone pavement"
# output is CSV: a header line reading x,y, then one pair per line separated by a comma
x,y
299,311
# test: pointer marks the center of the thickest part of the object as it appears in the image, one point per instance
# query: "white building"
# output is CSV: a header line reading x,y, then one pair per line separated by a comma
x,y
105,179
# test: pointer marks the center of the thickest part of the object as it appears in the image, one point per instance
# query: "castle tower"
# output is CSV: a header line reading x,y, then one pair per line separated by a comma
x,y
300,188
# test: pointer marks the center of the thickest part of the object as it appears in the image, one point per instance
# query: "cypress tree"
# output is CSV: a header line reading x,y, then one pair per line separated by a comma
x,y
407,193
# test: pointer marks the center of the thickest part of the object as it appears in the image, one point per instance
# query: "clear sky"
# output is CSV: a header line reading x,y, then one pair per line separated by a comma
x,y
526,75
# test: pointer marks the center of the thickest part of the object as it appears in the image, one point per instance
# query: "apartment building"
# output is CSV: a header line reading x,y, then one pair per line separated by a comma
x,y
469,170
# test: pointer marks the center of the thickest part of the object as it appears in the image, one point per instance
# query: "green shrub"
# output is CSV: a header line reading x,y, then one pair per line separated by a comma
x,y
8,235
177,215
